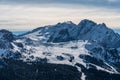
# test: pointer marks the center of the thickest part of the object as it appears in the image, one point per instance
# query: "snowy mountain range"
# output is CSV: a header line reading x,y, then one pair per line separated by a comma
x,y
87,51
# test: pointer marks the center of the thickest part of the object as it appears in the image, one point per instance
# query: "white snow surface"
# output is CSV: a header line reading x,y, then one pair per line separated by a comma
x,y
66,50
60,49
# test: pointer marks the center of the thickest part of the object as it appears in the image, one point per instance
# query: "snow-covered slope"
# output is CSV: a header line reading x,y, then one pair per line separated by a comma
x,y
70,53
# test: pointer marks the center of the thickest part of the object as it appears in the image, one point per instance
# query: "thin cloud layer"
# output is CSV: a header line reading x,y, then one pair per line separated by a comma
x,y
102,3
29,14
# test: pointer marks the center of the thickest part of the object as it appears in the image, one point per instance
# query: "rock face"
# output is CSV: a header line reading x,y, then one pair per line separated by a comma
x,y
6,35
85,30
65,51
5,38
98,32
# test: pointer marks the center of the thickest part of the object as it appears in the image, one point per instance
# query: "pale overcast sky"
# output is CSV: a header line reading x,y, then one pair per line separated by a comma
x,y
29,14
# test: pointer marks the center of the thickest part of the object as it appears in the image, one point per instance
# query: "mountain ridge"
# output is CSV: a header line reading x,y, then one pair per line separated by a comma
x,y
71,31
88,47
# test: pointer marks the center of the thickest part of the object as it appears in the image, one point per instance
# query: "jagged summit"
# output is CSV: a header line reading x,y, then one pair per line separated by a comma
x,y
87,22
6,35
67,22
85,30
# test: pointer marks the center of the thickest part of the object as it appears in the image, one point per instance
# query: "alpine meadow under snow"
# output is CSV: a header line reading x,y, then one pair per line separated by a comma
x,y
65,51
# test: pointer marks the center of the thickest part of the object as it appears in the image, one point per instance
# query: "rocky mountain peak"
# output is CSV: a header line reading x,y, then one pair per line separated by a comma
x,y
87,22
6,35
85,30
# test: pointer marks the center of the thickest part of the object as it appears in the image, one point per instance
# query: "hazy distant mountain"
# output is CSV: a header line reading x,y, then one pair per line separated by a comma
x,y
117,30
65,51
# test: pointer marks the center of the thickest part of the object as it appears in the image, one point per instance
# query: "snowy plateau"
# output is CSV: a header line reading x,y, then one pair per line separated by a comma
x,y
65,51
